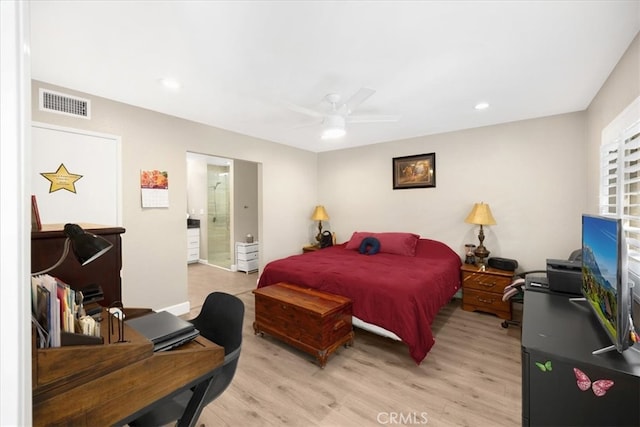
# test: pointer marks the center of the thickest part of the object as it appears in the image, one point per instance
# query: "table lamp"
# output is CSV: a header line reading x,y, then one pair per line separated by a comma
x,y
481,215
319,214
86,247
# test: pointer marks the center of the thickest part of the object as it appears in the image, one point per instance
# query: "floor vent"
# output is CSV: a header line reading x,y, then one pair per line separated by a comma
x,y
60,103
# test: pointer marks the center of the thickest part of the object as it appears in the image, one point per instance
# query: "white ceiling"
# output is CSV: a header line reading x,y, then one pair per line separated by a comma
x,y
430,62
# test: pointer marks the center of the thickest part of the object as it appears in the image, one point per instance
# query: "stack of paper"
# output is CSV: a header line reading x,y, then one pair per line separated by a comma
x,y
54,309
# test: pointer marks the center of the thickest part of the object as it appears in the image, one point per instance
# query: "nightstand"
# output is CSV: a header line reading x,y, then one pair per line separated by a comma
x,y
483,290
247,256
310,248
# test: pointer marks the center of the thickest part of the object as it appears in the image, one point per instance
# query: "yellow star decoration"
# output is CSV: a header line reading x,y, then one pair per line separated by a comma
x,y
61,179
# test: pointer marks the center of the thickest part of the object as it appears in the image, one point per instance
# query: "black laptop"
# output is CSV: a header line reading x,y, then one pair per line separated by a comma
x,y
164,330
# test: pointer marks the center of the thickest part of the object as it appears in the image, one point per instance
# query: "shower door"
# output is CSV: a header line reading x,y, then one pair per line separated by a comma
x,y
219,216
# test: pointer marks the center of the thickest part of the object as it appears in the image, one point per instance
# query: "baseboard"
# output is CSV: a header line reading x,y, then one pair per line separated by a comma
x,y
178,309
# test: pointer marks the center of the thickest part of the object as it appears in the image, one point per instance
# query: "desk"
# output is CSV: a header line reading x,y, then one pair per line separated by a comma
x,y
112,384
565,333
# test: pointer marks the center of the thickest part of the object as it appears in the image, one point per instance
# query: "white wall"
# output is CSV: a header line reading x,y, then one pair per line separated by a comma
x,y
15,215
531,173
154,272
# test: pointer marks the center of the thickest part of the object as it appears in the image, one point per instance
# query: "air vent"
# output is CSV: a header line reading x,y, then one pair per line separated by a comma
x,y
60,103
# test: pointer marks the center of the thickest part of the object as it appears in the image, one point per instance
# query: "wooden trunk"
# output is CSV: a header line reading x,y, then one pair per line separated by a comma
x,y
313,321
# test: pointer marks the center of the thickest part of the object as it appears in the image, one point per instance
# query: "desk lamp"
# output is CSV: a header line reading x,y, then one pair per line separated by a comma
x,y
86,247
319,214
481,215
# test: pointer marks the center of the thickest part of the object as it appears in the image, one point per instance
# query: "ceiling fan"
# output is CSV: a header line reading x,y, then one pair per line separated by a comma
x,y
340,113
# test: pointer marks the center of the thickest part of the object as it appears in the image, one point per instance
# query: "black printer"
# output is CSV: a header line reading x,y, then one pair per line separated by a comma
x,y
565,276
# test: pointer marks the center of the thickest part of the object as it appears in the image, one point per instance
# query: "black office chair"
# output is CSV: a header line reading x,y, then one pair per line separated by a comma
x,y
220,321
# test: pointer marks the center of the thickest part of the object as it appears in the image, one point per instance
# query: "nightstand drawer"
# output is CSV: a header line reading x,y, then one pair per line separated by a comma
x,y
193,254
247,257
485,282
245,248
482,290
247,266
193,244
486,301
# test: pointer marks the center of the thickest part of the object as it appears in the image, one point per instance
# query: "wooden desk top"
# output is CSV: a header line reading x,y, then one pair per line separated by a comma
x,y
57,230
103,384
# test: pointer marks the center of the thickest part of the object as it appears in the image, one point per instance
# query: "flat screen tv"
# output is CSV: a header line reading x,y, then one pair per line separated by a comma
x,y
605,284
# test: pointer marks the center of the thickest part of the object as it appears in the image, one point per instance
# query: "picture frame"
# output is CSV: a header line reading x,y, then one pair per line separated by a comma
x,y
417,171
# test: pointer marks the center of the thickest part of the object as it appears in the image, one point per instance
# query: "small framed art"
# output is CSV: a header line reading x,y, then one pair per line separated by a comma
x,y
418,171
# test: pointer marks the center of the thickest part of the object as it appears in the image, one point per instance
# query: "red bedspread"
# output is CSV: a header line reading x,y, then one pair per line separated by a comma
x,y
402,294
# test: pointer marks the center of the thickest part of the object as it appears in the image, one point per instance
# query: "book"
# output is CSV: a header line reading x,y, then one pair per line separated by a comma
x,y
42,307
53,317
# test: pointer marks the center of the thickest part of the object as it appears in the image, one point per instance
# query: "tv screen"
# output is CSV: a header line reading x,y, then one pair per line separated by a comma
x,y
604,277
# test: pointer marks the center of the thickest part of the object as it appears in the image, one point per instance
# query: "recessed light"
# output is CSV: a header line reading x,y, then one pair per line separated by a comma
x,y
482,106
170,83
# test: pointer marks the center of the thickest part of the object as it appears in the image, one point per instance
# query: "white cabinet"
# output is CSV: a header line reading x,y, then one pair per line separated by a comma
x,y
193,245
247,256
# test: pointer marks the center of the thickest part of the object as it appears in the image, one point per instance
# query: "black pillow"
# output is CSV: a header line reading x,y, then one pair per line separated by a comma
x,y
369,246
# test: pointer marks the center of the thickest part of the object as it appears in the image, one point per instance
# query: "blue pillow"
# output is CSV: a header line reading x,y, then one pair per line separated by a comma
x,y
369,246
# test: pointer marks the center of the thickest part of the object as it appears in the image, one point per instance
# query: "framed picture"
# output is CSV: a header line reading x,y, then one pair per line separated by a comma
x,y
417,171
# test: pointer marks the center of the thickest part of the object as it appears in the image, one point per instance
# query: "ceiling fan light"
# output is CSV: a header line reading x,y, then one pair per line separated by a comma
x,y
333,133
334,127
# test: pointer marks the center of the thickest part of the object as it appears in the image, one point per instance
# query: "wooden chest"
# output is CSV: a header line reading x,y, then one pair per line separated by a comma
x,y
313,321
483,290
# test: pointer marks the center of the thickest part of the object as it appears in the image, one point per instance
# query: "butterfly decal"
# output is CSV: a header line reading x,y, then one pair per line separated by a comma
x,y
544,367
598,387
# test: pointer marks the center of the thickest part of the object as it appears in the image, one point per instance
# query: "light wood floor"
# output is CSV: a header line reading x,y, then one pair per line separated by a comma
x,y
471,377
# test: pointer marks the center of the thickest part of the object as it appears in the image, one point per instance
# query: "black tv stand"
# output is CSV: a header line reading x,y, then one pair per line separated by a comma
x,y
558,331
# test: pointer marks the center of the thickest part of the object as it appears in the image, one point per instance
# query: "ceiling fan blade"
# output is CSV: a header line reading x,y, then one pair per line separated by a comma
x,y
373,119
358,98
315,122
303,110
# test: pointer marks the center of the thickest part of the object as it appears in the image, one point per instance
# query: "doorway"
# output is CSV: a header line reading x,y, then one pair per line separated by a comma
x,y
223,195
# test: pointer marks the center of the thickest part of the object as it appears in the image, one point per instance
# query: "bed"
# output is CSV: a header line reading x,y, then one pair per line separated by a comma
x,y
400,289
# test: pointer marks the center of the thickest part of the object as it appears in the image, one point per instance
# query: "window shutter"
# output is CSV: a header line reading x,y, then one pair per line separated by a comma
x,y
630,194
609,179
620,180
